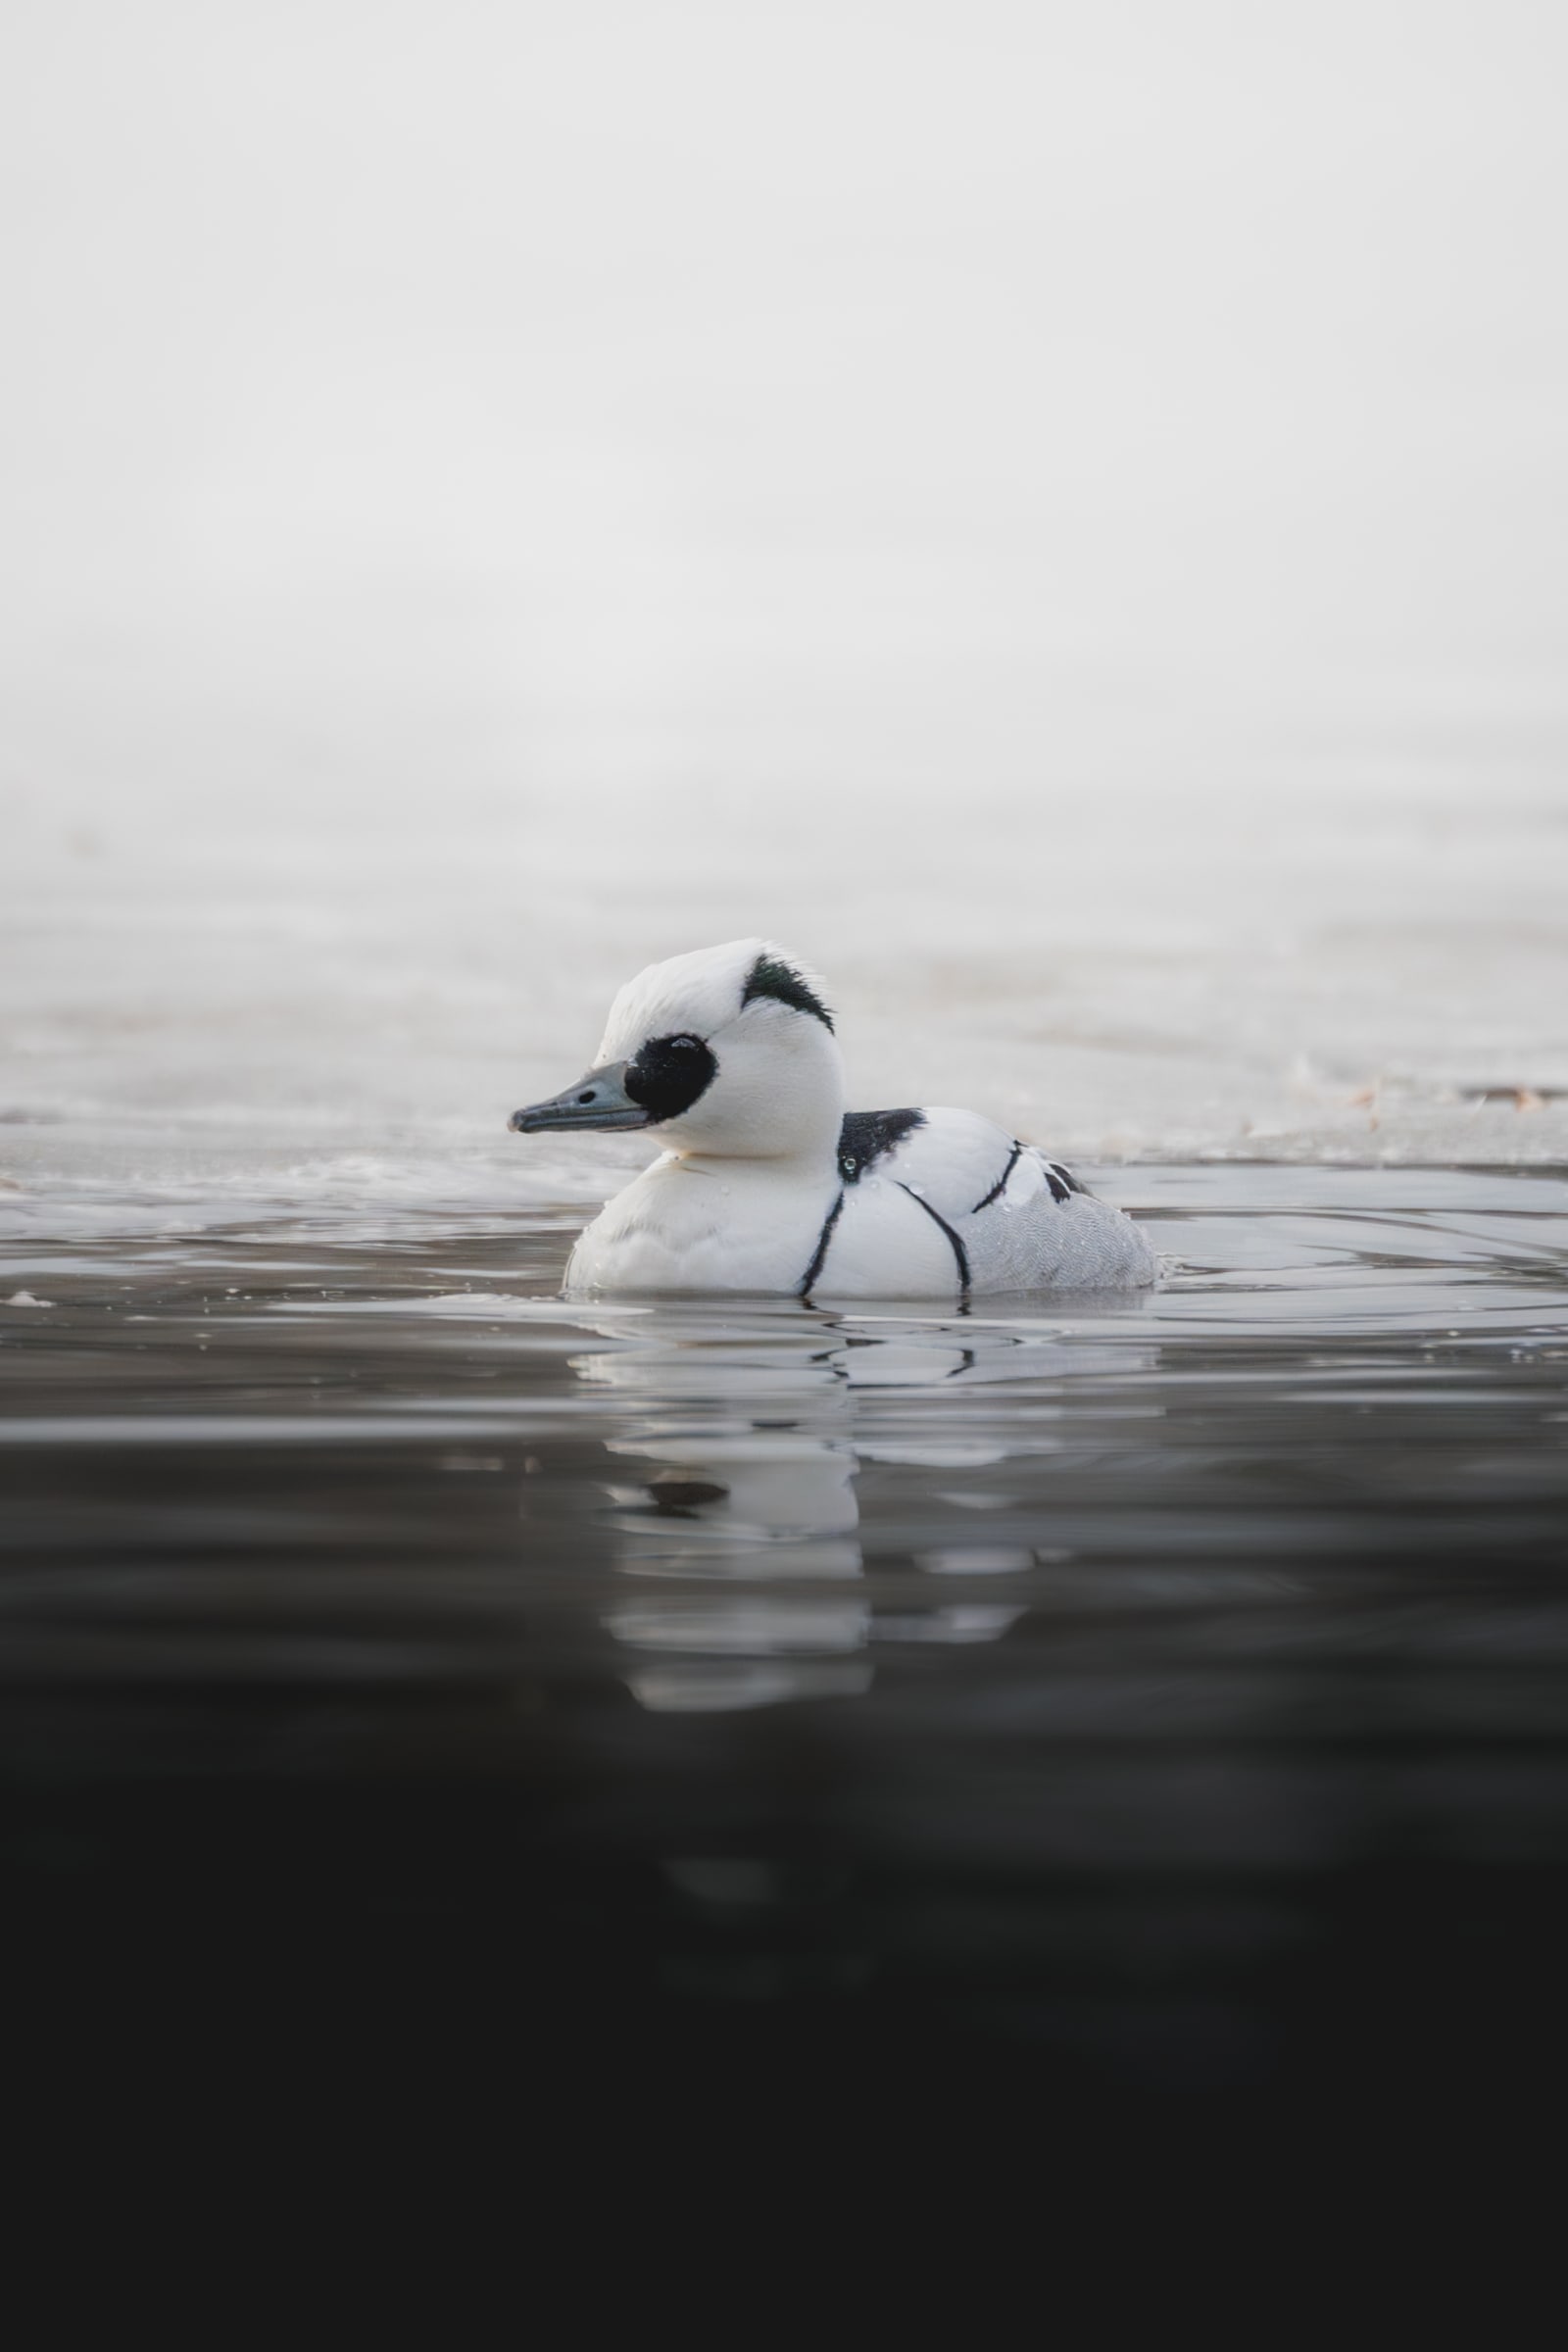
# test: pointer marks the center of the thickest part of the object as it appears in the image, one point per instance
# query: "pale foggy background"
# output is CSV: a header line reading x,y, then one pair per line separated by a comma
x,y
1055,513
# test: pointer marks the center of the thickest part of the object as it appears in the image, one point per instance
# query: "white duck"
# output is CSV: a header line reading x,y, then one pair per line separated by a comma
x,y
768,1184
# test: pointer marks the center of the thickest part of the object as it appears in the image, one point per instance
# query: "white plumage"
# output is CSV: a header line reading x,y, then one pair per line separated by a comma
x,y
767,1186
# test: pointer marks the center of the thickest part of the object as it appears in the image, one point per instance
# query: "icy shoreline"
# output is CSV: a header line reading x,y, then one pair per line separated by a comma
x,y
1369,976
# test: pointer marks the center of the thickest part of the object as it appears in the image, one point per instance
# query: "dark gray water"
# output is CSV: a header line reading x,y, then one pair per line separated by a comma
x,y
1157,1698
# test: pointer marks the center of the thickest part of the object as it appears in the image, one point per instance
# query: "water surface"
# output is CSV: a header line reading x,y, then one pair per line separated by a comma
x,y
1166,1696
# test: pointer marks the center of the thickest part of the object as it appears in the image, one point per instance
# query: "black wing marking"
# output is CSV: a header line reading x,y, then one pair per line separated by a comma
x,y
867,1135
1061,1180
1000,1184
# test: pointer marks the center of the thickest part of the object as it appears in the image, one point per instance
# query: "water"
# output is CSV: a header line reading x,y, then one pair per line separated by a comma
x,y
1143,1698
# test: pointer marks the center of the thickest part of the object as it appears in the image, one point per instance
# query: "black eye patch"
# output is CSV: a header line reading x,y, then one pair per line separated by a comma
x,y
669,1075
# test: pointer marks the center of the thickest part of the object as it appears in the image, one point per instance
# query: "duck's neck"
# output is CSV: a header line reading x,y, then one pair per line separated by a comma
x,y
813,1164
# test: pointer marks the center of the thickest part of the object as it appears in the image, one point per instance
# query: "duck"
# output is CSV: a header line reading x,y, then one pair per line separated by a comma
x,y
766,1184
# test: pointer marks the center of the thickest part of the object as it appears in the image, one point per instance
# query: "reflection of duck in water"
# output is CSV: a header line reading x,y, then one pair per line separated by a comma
x,y
754,1522
734,1495
763,1513
764,1504
768,1184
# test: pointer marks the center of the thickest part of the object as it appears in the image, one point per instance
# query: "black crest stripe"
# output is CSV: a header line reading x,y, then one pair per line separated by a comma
x,y
820,1251
1000,1184
770,976
937,1218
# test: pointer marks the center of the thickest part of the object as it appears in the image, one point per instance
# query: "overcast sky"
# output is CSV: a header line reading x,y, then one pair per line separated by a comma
x,y
518,397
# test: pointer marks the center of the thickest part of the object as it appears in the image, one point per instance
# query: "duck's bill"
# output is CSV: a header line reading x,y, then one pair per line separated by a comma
x,y
600,1100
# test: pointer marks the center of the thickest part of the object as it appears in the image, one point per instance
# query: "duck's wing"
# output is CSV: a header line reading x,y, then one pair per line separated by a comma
x,y
1013,1219
953,1160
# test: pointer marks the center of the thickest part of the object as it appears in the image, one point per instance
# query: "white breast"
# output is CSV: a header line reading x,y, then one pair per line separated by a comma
x,y
688,1224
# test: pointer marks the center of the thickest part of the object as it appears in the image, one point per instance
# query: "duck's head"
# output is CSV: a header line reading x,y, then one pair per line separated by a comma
x,y
730,1050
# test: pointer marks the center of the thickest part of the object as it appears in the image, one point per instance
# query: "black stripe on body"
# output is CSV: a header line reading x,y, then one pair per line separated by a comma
x,y
1000,1184
820,1251
958,1251
1060,1182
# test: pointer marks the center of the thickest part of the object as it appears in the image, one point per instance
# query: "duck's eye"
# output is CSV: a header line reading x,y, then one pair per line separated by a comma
x,y
668,1074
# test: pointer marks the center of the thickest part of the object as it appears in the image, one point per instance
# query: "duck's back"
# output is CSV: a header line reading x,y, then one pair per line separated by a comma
x,y
940,1200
